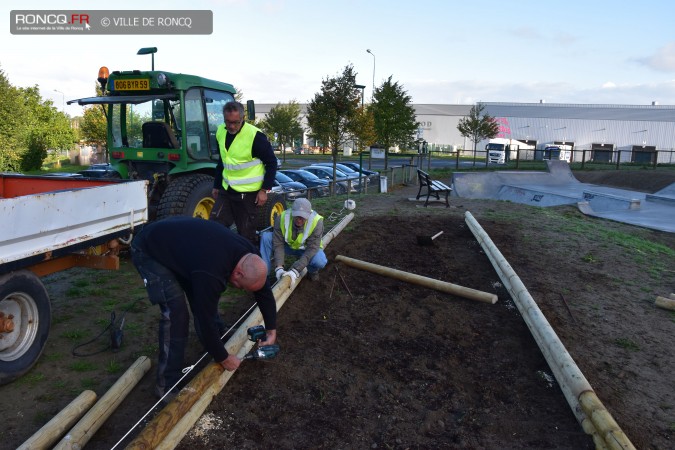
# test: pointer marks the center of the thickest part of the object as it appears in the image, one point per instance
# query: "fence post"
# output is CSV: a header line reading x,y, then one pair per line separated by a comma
x,y
583,158
517,157
618,159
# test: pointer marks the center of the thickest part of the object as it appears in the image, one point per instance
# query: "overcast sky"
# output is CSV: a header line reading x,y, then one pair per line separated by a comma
x,y
441,51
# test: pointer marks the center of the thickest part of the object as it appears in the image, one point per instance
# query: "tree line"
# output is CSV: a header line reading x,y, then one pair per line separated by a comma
x,y
30,128
337,115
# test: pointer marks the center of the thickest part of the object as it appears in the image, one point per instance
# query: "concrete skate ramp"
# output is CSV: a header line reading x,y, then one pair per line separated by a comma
x,y
557,186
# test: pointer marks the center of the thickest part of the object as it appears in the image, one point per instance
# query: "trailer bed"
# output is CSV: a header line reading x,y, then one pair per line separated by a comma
x,y
43,216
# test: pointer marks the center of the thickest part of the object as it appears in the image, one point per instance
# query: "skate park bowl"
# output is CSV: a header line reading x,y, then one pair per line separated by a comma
x,y
558,186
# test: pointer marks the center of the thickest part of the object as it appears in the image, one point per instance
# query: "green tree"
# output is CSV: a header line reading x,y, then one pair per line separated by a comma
x,y
29,128
48,130
12,126
332,114
93,125
284,122
364,127
394,116
478,126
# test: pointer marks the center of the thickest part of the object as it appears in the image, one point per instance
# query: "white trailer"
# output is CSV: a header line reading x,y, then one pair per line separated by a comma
x,y
50,224
557,152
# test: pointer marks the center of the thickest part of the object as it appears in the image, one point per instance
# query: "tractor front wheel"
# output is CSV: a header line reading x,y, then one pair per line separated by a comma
x,y
188,195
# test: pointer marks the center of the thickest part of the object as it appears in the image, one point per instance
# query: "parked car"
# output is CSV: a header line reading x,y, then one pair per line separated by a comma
x,y
326,173
351,173
292,189
319,187
103,170
355,166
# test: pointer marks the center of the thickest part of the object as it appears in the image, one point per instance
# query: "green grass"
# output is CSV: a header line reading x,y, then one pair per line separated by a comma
x,y
81,283
82,366
52,357
113,367
89,383
74,292
627,344
32,378
74,335
589,258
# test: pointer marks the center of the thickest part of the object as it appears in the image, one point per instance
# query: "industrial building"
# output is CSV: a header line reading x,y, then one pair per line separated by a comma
x,y
598,132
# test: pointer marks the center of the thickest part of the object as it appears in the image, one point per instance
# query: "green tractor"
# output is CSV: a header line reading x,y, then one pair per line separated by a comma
x,y
162,128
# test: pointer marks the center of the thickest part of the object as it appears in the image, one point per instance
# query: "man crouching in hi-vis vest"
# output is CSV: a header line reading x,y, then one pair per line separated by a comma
x,y
244,174
296,232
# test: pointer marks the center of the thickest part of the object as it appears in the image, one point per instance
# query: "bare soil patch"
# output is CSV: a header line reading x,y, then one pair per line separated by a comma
x,y
379,363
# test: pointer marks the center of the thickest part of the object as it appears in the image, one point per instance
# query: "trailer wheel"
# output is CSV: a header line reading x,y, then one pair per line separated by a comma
x,y
188,195
26,321
273,207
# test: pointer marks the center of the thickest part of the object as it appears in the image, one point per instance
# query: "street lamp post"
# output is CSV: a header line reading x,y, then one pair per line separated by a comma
x,y
63,101
368,51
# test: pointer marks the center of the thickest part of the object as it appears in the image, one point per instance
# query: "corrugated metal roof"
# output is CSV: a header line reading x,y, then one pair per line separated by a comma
x,y
652,113
442,110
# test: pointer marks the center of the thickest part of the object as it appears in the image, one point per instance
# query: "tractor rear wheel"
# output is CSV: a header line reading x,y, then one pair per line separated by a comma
x,y
273,207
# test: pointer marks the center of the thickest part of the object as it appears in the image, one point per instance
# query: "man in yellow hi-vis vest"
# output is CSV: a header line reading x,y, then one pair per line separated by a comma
x,y
244,174
296,232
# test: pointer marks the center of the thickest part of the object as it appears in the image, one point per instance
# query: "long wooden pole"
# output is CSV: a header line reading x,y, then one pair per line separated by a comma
x,y
82,432
167,429
591,413
665,303
420,280
52,431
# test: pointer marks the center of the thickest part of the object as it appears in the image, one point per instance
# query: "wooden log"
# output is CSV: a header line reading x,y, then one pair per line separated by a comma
x,y
612,434
593,417
420,280
52,431
665,303
82,432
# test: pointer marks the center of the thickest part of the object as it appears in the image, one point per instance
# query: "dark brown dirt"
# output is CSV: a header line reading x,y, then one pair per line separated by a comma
x,y
378,363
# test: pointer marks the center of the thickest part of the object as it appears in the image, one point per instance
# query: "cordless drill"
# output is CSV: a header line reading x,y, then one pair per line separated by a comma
x,y
258,333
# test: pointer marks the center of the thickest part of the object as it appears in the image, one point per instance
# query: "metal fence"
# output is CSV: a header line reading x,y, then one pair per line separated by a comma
x,y
578,159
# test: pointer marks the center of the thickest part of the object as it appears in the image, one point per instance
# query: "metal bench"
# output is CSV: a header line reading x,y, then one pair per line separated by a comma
x,y
434,187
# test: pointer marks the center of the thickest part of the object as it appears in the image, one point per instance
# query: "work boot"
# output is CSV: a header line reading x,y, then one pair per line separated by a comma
x,y
313,276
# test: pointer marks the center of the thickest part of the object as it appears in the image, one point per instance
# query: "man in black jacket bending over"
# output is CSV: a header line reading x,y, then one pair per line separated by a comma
x,y
183,257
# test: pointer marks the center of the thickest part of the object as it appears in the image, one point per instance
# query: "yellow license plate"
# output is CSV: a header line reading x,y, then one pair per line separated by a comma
x,y
132,84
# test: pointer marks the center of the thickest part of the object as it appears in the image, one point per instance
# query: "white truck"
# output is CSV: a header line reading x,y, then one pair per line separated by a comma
x,y
50,224
501,150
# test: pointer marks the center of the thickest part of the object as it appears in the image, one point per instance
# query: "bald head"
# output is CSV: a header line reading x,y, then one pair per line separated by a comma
x,y
250,273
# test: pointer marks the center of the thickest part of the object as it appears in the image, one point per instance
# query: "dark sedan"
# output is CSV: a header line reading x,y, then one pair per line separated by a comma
x,y
292,189
319,187
326,173
100,171
355,166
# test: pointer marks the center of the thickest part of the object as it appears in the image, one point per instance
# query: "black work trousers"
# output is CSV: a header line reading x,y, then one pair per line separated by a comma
x,y
165,290
237,208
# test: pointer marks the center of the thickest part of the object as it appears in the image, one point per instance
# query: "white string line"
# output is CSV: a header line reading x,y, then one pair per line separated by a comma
x,y
185,371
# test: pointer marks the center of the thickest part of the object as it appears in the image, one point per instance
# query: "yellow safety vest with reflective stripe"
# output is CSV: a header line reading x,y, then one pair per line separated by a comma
x,y
287,229
240,169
